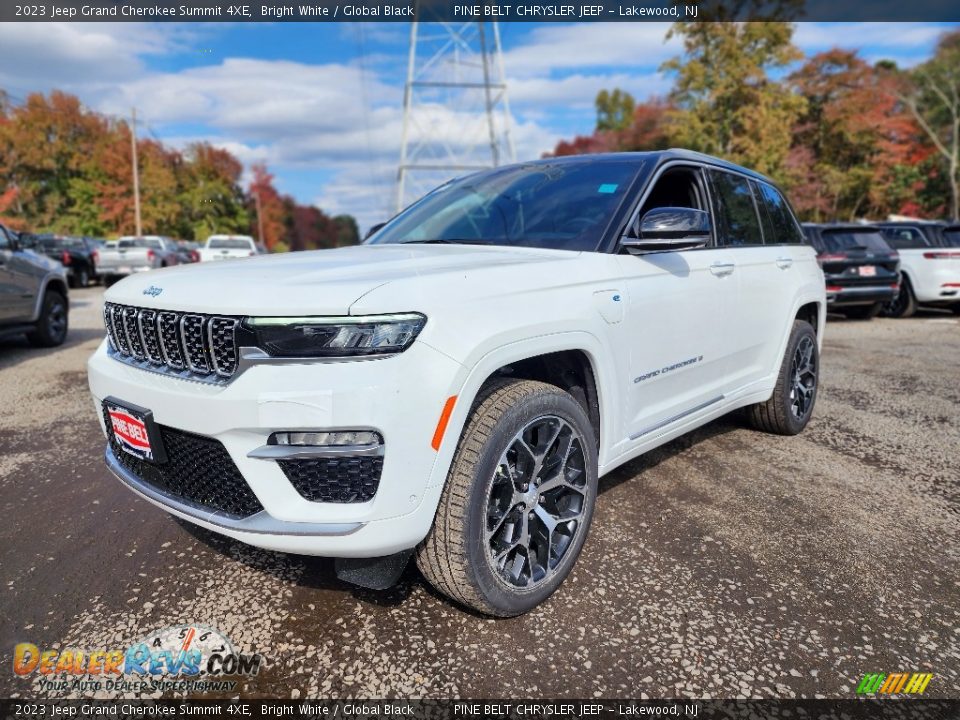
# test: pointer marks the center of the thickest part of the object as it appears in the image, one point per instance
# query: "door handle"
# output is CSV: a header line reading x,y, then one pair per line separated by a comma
x,y
784,262
720,269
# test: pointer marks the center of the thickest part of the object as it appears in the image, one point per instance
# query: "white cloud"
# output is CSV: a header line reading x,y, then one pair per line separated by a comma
x,y
552,48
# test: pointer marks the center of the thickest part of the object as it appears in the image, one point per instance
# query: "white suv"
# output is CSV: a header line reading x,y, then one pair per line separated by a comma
x,y
454,387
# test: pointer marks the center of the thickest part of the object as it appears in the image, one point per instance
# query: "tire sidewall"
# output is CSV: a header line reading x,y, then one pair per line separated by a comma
x,y
505,599
800,331
50,301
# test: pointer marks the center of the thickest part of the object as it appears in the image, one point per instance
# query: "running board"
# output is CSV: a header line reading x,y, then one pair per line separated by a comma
x,y
676,418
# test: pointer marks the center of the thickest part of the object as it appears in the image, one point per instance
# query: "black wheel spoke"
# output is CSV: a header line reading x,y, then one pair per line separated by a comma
x,y
536,500
803,381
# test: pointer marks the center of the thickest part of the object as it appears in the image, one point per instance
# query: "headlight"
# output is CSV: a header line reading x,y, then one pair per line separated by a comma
x,y
359,336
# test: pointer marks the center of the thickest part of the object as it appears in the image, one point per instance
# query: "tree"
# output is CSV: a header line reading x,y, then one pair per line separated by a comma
x,y
614,110
725,102
271,207
932,94
210,192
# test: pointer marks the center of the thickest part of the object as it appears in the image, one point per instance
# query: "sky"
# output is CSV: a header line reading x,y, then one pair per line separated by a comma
x,y
322,104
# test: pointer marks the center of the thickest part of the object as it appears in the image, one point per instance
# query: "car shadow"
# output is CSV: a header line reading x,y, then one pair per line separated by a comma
x,y
319,573
15,349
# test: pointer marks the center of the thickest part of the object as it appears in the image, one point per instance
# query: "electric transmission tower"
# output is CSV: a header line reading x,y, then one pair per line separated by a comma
x,y
456,115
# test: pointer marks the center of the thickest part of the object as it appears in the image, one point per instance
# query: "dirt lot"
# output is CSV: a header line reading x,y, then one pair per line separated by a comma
x,y
728,563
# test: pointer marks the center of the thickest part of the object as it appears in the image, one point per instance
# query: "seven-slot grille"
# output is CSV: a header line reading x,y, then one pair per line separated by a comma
x,y
176,342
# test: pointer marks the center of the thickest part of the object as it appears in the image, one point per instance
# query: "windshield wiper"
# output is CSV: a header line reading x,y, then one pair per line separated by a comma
x,y
447,241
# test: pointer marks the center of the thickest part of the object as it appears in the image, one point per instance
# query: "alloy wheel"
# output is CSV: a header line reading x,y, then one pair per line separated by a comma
x,y
803,381
57,320
536,502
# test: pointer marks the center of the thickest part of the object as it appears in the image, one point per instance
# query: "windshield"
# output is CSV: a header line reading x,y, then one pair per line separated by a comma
x,y
951,237
841,240
230,244
562,206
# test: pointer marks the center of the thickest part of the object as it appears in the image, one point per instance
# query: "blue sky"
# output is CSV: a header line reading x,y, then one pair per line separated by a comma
x,y
321,104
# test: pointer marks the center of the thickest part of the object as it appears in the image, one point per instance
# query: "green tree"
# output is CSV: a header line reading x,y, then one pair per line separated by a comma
x,y
725,102
614,110
210,192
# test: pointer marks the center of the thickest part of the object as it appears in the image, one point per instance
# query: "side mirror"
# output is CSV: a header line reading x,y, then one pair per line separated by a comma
x,y
670,228
373,230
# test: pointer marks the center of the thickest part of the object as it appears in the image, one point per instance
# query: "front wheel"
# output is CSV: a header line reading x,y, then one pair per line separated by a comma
x,y
788,410
518,500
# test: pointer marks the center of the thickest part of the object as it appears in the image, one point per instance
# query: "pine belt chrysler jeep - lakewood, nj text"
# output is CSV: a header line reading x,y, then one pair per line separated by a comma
x,y
453,388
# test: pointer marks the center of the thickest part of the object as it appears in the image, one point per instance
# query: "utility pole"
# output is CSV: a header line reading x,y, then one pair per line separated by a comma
x,y
136,171
256,199
456,115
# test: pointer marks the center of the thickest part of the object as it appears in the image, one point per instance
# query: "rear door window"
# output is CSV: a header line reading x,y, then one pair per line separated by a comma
x,y
737,219
780,227
905,238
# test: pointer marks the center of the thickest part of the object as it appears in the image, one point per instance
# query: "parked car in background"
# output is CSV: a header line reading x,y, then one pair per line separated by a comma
x,y
136,254
33,293
929,265
79,255
188,251
228,247
860,269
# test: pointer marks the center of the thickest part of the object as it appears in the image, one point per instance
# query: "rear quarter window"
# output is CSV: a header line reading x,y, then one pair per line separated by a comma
x,y
951,236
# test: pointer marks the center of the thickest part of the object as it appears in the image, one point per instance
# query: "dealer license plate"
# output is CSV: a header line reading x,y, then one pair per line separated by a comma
x,y
868,271
134,431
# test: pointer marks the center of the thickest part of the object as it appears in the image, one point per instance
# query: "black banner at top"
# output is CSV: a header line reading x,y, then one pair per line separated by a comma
x,y
464,10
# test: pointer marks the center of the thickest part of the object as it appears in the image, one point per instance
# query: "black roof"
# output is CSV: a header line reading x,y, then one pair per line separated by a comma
x,y
657,156
902,223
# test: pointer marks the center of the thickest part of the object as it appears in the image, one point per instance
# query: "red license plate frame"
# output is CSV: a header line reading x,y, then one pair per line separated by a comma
x,y
133,430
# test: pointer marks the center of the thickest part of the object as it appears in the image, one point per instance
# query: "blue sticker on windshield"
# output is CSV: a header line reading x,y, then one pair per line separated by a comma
x,y
608,188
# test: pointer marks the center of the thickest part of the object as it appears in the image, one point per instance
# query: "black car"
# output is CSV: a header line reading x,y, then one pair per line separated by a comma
x,y
77,254
861,270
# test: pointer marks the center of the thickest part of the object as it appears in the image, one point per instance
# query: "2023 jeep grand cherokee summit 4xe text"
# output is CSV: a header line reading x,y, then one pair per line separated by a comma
x,y
454,387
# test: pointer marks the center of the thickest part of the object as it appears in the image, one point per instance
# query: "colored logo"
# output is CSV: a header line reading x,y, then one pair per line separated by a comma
x,y
153,291
180,657
894,683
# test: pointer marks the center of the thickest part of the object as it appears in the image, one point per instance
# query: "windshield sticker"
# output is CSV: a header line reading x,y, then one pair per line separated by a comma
x,y
608,188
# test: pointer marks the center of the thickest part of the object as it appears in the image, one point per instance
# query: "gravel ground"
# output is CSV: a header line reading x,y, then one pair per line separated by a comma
x,y
726,564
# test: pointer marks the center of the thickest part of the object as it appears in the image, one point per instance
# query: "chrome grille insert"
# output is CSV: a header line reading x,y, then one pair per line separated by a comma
x,y
185,345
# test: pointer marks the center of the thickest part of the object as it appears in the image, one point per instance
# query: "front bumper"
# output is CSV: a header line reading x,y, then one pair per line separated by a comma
x,y
866,295
400,396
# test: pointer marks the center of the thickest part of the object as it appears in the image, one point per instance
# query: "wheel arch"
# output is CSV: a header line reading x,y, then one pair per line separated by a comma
x,y
51,282
561,359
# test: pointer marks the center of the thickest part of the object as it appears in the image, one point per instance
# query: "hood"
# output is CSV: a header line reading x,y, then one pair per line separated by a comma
x,y
319,282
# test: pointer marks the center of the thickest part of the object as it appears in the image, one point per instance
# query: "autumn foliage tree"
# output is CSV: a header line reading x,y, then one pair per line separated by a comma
x,y
65,168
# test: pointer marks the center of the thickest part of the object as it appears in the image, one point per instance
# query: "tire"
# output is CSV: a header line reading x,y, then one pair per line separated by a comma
x,y
51,328
956,309
863,312
788,411
82,278
484,492
904,305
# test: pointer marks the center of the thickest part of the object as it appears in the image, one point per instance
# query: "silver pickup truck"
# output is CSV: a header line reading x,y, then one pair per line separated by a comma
x,y
135,254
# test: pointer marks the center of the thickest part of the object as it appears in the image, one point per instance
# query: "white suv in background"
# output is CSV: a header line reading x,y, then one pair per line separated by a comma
x,y
228,247
453,388
929,265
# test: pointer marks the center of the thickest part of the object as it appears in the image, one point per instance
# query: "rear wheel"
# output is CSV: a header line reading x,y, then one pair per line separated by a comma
x,y
518,501
788,410
863,312
82,278
904,304
51,328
